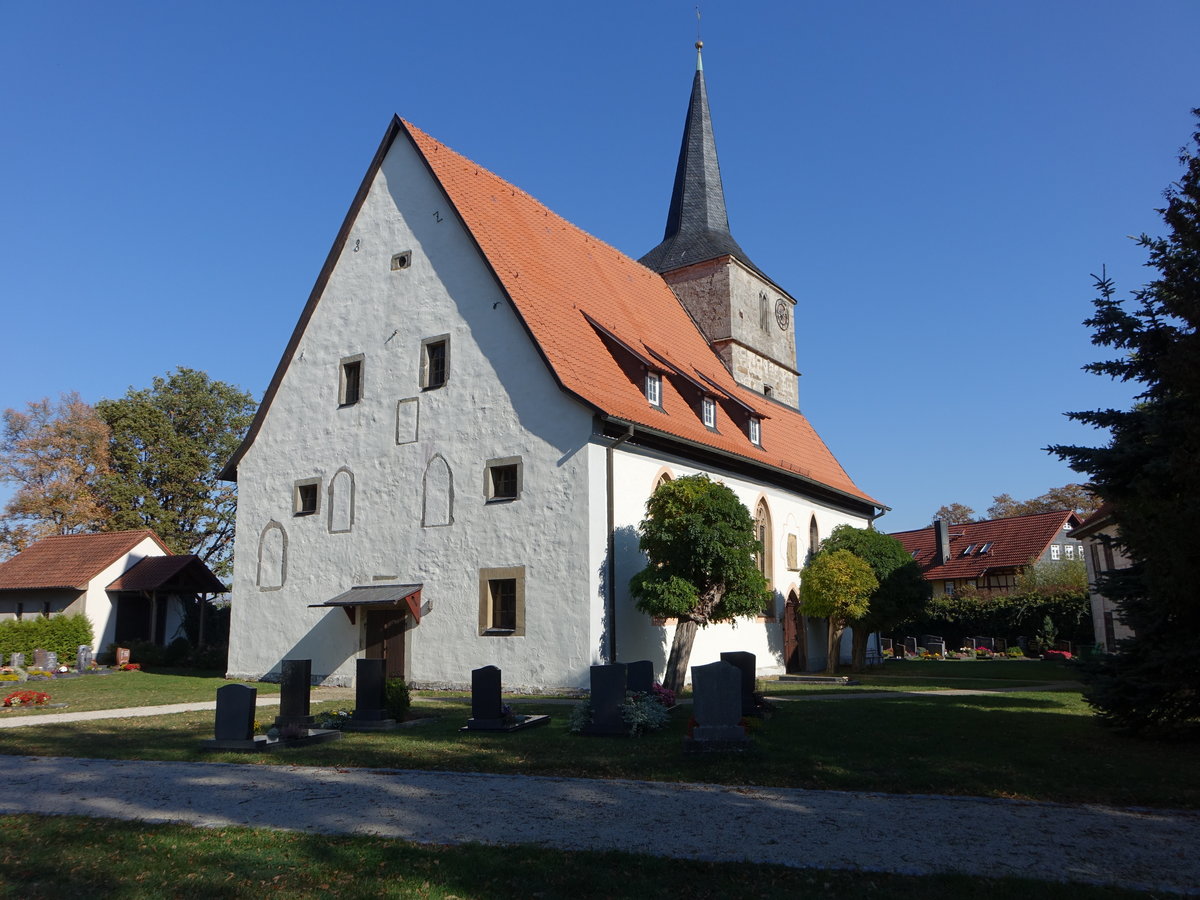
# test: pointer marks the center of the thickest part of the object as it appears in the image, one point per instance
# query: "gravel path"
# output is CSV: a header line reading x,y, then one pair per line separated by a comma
x,y
1135,848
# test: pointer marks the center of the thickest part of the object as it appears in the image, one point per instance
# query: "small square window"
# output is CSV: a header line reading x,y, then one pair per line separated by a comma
x,y
305,497
401,260
654,388
350,382
708,407
755,431
502,479
502,601
435,362
948,587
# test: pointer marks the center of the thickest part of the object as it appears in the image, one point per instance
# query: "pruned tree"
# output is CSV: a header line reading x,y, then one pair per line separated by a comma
x,y
955,514
901,593
1147,470
699,543
169,444
55,454
836,585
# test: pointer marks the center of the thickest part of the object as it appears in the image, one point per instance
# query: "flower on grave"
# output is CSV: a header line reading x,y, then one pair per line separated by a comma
x,y
27,698
1060,655
62,669
663,695
130,667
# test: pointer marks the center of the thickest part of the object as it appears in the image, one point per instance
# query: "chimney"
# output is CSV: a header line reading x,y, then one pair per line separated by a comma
x,y
941,532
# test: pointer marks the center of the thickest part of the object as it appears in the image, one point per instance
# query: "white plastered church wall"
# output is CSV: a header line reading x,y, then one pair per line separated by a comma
x,y
499,400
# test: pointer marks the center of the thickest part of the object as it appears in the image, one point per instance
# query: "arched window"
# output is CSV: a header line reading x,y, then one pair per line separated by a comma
x,y
814,537
663,477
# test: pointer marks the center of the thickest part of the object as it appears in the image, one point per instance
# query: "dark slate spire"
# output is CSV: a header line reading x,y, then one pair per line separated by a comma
x,y
697,224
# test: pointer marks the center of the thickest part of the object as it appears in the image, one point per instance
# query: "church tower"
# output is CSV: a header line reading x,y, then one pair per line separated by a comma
x,y
745,316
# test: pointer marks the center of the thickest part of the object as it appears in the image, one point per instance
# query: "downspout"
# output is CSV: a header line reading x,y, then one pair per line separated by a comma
x,y
610,600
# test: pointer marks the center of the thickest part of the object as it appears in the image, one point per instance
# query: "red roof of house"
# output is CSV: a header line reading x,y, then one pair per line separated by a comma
x,y
69,561
597,316
1013,543
186,572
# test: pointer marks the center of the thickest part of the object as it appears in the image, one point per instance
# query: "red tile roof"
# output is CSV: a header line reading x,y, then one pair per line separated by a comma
x,y
558,276
186,572
1014,543
69,561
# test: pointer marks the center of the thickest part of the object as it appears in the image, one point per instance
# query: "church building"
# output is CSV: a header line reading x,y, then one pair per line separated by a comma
x,y
450,463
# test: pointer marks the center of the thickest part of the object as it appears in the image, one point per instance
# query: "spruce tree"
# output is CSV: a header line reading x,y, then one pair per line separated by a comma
x,y
1150,471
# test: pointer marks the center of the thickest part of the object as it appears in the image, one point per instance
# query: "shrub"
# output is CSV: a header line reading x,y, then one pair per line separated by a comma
x,y
59,634
642,713
397,698
1015,653
177,652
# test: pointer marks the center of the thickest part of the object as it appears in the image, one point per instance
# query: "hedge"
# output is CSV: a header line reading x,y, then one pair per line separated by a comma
x,y
58,634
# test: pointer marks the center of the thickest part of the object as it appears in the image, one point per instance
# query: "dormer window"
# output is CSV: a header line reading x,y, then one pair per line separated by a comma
x,y
755,431
654,389
708,411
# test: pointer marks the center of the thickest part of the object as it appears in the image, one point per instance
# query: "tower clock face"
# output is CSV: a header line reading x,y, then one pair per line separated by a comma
x,y
781,313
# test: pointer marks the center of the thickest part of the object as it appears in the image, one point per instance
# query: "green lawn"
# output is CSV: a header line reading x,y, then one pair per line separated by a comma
x,y
910,675
1036,745
125,689
68,856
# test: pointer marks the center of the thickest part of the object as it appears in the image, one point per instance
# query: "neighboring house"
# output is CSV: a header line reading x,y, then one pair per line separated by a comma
x,y
1101,536
450,462
989,555
127,583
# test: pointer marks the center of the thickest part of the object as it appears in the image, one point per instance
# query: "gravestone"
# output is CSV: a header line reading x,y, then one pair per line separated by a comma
x,y
938,647
1,659
83,658
986,643
487,707
234,727
716,709
370,697
609,684
640,676
1001,645
745,663
122,656
39,659
294,690
910,646
927,639
17,661
885,644
51,660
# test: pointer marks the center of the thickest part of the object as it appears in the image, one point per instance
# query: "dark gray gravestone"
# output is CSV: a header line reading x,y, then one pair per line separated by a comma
x,y
17,661
910,646
745,663
370,690
1001,645
51,660
294,690
235,712
985,642
885,644
83,658
640,676
927,639
937,647
487,708
717,708
607,698
39,659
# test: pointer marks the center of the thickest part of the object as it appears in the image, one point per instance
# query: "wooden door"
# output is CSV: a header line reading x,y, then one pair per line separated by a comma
x,y
385,639
794,656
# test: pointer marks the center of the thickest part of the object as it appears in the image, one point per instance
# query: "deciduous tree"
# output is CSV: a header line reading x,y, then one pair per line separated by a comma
x,y
1148,470
54,454
169,444
699,542
901,593
955,514
836,585
1078,498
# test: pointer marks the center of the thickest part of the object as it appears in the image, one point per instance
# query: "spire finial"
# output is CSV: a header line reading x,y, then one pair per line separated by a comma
x,y
699,43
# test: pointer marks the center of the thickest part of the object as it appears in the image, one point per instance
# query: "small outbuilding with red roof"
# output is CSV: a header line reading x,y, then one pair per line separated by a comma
x,y
128,583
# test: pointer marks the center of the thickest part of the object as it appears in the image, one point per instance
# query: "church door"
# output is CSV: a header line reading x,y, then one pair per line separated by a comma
x,y
385,639
795,657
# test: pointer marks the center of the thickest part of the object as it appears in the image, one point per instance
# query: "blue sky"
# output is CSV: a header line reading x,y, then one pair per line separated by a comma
x,y
934,182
